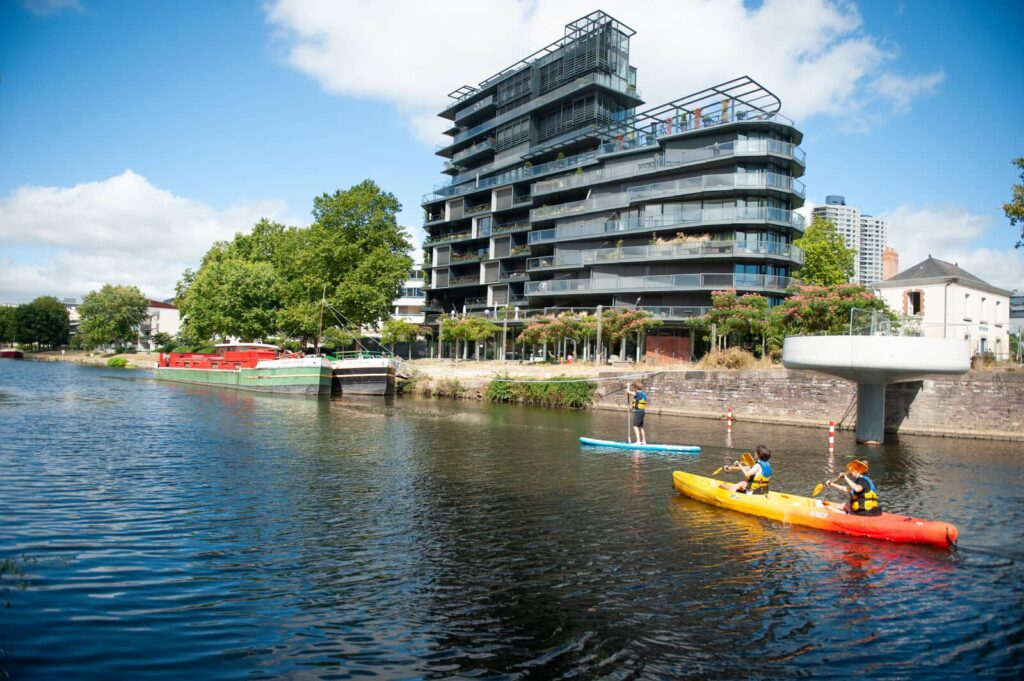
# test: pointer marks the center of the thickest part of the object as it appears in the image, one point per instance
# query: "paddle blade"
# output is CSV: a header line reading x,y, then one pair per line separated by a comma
x,y
747,459
817,489
718,470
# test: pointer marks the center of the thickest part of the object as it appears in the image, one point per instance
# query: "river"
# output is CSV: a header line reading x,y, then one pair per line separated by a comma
x,y
159,531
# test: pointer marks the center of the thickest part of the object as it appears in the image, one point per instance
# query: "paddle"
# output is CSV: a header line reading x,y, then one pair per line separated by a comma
x,y
855,466
629,416
747,460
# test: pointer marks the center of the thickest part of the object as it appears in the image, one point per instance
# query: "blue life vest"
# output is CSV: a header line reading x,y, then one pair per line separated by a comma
x,y
758,484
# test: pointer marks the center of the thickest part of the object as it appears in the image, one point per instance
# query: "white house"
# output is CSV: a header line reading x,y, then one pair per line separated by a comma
x,y
160,318
948,302
409,305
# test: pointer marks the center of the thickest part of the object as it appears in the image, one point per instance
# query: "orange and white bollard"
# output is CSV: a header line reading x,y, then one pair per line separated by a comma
x,y
831,436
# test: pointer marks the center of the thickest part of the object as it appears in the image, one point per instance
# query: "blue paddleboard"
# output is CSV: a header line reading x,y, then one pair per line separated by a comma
x,y
643,448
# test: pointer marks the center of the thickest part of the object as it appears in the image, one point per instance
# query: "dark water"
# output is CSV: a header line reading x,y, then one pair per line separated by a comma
x,y
159,531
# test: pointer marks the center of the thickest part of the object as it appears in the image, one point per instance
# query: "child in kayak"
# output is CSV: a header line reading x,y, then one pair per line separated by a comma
x,y
757,476
863,495
638,400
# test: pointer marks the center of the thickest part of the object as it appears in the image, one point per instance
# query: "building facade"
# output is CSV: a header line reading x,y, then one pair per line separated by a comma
x,y
161,317
866,234
409,305
564,195
944,301
1017,312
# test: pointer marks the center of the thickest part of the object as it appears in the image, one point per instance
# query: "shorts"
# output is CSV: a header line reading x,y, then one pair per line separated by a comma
x,y
638,418
877,510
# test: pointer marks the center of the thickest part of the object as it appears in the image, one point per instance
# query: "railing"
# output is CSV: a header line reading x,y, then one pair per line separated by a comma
x,y
510,227
718,181
512,276
585,206
442,238
469,257
684,122
519,250
673,160
601,226
698,249
473,150
462,281
479,208
481,300
486,101
659,282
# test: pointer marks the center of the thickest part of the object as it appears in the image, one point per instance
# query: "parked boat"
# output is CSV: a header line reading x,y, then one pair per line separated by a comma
x,y
364,373
11,353
823,515
249,366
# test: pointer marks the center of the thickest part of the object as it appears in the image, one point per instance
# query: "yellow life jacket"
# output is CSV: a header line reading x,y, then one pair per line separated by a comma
x,y
640,400
759,483
867,498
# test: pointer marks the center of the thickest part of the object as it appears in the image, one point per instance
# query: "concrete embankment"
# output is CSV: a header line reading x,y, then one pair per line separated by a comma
x,y
138,360
979,405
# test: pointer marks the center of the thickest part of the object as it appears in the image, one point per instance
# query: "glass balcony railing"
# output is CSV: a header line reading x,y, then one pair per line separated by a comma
x,y
467,280
660,282
688,185
602,227
510,227
473,150
673,160
444,238
683,121
666,252
514,175
473,108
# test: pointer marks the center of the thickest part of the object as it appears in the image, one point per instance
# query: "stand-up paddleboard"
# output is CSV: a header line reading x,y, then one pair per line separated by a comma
x,y
638,447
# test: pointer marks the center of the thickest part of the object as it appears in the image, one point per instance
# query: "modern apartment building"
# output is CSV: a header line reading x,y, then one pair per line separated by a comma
x,y
564,195
865,234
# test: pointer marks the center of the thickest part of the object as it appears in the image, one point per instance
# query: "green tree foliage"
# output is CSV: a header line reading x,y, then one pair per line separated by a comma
x,y
399,331
44,322
827,260
1014,210
112,315
354,255
826,309
737,316
466,330
8,324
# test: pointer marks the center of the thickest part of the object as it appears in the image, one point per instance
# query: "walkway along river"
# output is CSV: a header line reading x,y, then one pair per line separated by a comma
x,y
156,531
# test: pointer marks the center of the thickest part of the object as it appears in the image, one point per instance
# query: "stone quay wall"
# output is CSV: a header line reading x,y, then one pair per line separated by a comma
x,y
980,404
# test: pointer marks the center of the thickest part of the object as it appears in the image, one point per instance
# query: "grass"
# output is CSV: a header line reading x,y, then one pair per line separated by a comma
x,y
561,391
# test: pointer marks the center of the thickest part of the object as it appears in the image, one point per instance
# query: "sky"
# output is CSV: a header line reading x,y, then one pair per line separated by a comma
x,y
136,133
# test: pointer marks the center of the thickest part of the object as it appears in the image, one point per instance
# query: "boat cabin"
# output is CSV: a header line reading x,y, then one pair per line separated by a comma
x,y
228,357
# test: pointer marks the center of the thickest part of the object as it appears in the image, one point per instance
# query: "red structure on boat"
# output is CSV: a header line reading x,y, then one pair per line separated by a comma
x,y
227,357
10,353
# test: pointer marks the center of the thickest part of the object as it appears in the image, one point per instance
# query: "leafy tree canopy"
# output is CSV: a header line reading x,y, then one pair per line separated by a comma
x,y
354,255
112,315
826,309
1014,210
8,324
827,260
44,321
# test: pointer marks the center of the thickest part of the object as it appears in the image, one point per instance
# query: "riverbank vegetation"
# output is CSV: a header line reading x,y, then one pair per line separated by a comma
x,y
111,317
43,323
559,391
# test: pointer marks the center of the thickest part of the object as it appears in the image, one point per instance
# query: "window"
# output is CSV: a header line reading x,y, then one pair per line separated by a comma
x,y
967,307
914,302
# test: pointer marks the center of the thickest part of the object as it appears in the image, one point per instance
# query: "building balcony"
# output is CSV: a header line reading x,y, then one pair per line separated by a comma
x,y
510,228
480,107
662,282
466,155
712,216
474,256
450,237
747,250
677,159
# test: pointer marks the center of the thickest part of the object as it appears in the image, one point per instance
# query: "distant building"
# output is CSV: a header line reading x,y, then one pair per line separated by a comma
x,y
865,234
949,302
160,318
1017,312
409,305
890,263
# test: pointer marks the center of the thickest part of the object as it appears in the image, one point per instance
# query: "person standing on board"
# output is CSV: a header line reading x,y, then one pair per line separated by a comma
x,y
863,495
757,476
639,403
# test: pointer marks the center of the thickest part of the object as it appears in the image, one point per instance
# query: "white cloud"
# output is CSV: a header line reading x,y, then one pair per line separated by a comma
x,y
951,233
120,230
815,54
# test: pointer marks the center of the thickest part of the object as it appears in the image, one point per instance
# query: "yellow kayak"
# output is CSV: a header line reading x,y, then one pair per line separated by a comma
x,y
824,515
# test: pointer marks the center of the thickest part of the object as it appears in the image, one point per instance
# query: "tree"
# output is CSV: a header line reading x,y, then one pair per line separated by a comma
x,y
44,321
112,315
826,309
399,331
8,324
1014,210
827,260
232,297
479,330
732,314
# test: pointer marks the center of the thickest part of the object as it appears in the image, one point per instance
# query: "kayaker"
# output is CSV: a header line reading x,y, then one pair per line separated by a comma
x,y
639,404
757,476
862,491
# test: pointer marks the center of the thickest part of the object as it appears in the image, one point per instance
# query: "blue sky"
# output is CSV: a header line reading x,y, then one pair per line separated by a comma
x,y
134,134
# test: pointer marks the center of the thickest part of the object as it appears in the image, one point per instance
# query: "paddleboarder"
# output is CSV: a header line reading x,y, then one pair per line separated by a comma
x,y
757,476
862,491
639,403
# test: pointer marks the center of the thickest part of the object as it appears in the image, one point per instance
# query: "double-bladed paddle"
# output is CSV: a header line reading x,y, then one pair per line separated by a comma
x,y
855,466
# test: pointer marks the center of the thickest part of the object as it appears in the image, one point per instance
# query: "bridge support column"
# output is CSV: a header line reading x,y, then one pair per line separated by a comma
x,y
870,413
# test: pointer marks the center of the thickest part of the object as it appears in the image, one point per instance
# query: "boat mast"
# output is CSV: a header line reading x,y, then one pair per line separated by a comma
x,y
319,335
